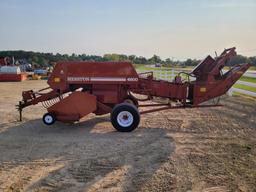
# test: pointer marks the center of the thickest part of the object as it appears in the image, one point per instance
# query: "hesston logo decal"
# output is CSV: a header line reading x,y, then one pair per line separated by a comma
x,y
71,79
86,79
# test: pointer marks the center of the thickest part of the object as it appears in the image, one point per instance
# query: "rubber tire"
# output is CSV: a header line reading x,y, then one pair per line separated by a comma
x,y
49,114
125,107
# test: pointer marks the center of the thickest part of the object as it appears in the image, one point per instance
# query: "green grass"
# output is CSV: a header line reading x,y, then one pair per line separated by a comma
x,y
253,68
148,68
245,87
248,79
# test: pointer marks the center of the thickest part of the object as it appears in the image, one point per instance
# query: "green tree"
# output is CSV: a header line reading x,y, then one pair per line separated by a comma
x,y
155,59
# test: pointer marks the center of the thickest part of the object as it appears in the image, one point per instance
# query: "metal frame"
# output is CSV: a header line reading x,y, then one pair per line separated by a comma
x,y
111,83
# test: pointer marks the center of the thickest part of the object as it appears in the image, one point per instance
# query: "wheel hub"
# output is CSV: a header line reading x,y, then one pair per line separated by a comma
x,y
48,119
125,119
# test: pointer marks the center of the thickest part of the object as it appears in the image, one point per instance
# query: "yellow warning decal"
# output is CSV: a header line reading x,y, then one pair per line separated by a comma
x,y
56,79
202,89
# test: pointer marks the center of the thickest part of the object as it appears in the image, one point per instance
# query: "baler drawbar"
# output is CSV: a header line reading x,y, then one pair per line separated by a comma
x,y
79,88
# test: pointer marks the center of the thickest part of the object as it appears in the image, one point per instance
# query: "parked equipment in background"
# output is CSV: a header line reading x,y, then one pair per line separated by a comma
x,y
9,71
36,77
79,88
7,61
40,74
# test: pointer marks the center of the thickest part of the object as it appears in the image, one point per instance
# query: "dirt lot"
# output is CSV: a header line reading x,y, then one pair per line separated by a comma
x,y
210,149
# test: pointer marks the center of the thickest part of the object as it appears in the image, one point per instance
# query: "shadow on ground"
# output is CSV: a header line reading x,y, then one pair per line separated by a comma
x,y
86,156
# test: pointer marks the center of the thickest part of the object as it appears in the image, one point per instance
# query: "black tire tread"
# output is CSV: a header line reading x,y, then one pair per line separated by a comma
x,y
54,119
125,107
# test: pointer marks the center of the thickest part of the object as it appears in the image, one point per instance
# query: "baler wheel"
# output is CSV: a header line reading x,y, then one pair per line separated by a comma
x,y
49,119
125,117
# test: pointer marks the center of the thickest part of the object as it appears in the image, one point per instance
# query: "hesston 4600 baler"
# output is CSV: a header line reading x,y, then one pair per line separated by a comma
x,y
79,88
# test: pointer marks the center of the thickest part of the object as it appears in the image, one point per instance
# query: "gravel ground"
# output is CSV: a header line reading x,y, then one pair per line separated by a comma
x,y
208,149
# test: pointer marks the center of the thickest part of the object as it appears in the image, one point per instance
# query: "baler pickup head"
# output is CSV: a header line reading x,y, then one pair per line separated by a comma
x,y
211,80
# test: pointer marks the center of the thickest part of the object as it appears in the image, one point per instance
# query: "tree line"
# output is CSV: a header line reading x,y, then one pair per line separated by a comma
x,y
42,60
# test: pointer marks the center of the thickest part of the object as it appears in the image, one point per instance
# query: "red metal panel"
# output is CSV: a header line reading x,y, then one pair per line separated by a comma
x,y
203,91
74,107
109,93
203,68
66,73
162,89
13,77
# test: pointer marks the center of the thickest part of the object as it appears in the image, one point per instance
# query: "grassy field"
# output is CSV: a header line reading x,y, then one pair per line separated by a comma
x,y
248,79
253,68
245,87
149,68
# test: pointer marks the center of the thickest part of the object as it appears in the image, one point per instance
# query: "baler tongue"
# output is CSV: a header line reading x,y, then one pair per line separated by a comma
x,y
32,98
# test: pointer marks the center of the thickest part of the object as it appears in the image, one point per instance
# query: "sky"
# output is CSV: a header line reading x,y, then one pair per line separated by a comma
x,y
176,29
